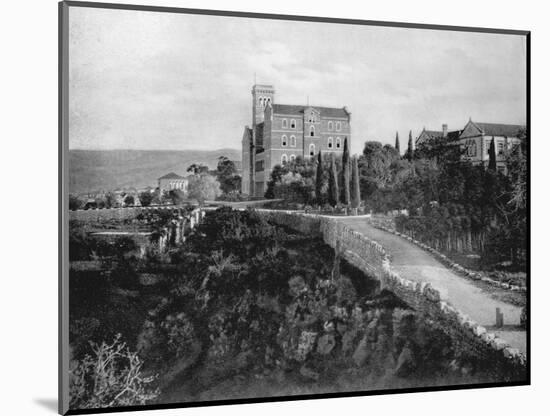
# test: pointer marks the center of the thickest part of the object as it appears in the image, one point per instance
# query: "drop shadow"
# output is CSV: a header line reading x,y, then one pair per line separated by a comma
x,y
49,404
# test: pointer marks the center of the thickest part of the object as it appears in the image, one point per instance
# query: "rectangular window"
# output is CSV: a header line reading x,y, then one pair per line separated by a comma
x,y
500,148
259,166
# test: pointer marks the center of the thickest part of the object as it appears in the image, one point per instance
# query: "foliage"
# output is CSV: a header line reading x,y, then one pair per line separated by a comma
x,y
397,146
146,198
129,200
176,196
356,188
197,169
409,154
319,180
492,155
333,193
112,376
346,197
294,181
203,187
75,202
226,173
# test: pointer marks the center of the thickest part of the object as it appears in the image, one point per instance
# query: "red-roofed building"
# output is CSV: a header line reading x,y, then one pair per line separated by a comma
x,y
280,133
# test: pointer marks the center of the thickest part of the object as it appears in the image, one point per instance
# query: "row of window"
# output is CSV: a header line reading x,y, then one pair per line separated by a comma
x,y
471,148
292,123
500,147
263,101
284,141
312,128
285,158
338,143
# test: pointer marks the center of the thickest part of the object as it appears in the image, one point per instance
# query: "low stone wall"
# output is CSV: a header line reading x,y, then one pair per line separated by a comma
x,y
121,214
371,257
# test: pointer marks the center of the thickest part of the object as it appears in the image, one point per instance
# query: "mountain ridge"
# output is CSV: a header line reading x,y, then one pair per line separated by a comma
x,y
104,170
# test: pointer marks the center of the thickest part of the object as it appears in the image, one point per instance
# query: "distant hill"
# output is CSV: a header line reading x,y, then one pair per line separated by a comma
x,y
94,170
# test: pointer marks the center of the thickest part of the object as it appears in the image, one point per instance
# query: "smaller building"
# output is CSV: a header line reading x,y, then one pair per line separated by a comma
x,y
426,136
172,181
476,139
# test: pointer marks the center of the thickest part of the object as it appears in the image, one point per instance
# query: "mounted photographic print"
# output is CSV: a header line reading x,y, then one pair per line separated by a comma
x,y
263,207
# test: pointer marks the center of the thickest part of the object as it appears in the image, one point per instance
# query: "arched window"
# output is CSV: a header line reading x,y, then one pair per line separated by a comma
x,y
312,149
312,131
284,159
330,143
284,123
338,126
292,141
330,125
260,101
269,100
292,158
292,124
283,140
338,143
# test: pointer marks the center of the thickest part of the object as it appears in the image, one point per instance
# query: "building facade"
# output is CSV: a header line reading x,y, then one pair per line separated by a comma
x,y
280,133
428,135
476,139
172,181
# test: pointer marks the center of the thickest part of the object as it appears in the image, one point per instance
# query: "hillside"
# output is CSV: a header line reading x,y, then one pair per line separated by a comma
x,y
92,170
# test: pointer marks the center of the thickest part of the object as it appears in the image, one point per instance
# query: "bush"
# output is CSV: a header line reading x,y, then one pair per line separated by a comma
x,y
110,377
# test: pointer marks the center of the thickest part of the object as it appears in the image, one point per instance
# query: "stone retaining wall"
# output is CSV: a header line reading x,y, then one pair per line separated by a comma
x,y
371,257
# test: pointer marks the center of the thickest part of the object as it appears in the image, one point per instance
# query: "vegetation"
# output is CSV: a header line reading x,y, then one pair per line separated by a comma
x,y
247,304
203,187
226,173
110,377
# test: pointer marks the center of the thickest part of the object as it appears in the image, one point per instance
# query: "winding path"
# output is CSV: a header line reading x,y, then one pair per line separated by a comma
x,y
473,299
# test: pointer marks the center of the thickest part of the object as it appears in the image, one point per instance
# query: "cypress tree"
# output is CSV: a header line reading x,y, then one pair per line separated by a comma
x,y
333,183
356,194
346,198
397,146
492,155
410,150
319,179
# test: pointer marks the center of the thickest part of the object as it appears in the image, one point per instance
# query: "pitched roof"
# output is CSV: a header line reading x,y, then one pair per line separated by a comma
x,y
436,134
297,110
495,129
171,175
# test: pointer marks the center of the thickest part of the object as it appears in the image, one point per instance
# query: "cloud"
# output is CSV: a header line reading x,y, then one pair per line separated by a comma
x,y
174,81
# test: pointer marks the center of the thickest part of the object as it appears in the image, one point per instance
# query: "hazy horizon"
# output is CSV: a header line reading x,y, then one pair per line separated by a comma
x,y
161,81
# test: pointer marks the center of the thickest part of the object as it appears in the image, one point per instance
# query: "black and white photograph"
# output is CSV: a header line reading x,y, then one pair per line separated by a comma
x,y
266,207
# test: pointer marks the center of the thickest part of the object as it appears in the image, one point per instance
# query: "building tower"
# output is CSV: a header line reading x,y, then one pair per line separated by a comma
x,y
262,96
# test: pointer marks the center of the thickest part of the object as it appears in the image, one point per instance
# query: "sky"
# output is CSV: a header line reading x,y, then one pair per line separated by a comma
x,y
150,80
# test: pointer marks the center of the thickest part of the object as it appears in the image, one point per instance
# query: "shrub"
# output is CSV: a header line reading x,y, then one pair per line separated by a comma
x,y
111,377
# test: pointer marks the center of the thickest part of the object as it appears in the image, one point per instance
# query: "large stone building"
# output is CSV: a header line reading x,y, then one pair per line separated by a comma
x,y
280,133
476,138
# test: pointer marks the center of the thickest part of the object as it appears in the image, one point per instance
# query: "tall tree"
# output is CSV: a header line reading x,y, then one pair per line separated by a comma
x,y
410,148
356,189
319,179
492,156
333,183
397,146
346,198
